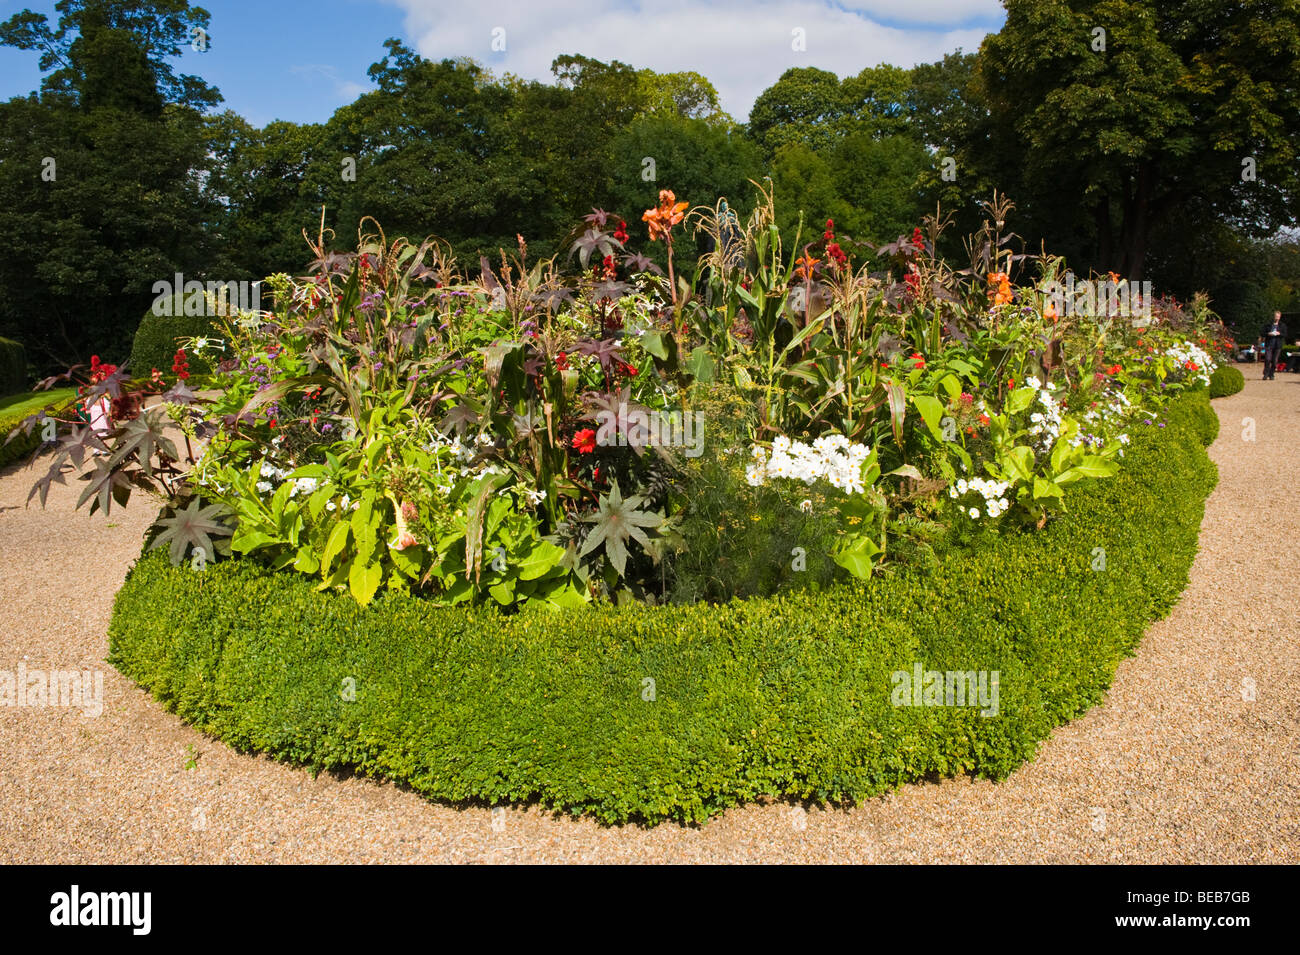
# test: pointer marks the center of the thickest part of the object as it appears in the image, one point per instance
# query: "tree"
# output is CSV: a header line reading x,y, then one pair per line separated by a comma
x,y
1118,129
91,226
116,48
806,105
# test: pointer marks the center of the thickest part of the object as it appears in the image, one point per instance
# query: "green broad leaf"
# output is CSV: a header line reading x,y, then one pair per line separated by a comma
x,y
1060,454
700,365
409,562
1020,399
316,503
1020,462
567,597
364,580
905,471
952,386
656,344
542,558
503,593
307,561
741,377
931,412
246,541
1044,488
337,578
858,556
334,544
1090,467
897,408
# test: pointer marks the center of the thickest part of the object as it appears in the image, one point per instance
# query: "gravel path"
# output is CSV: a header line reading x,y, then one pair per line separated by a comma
x,y
1195,756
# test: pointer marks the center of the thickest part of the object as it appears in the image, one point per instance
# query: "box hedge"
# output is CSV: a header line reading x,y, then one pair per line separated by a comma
x,y
13,367
156,338
653,713
1226,380
16,408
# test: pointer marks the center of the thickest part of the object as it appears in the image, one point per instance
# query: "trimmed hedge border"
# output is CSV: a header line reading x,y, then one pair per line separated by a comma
x,y
1226,380
13,367
787,696
12,414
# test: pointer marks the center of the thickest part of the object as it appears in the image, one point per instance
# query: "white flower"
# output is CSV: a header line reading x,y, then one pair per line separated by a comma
x,y
806,505
535,497
974,512
952,492
264,487
1033,382
962,486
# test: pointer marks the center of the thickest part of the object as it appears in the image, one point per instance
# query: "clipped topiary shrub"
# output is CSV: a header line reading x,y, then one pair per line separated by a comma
x,y
13,367
1225,381
156,339
678,712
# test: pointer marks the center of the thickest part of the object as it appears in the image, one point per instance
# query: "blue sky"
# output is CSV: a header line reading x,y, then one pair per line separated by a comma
x,y
300,60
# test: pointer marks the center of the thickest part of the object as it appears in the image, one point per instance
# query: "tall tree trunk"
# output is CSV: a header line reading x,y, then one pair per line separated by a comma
x,y
1137,222
1105,244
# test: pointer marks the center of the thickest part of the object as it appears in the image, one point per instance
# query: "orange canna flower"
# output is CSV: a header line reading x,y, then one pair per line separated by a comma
x,y
1050,311
663,217
804,265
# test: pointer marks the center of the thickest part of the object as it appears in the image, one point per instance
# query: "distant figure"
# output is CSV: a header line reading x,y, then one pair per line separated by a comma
x,y
1274,336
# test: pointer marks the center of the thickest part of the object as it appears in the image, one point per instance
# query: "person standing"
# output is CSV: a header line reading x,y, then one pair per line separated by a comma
x,y
1274,336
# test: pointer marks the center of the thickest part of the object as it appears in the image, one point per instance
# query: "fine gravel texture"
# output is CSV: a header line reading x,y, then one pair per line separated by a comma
x,y
1193,758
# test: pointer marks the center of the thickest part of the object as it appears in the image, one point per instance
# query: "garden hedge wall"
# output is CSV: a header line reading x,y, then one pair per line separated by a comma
x,y
13,367
787,696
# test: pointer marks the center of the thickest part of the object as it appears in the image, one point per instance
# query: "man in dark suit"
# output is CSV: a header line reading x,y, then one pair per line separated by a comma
x,y
1274,336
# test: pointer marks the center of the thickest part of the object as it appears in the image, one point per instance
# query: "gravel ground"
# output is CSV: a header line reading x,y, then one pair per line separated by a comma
x,y
1194,757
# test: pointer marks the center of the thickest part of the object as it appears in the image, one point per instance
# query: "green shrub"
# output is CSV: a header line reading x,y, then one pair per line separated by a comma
x,y
156,339
17,407
1226,380
788,696
13,367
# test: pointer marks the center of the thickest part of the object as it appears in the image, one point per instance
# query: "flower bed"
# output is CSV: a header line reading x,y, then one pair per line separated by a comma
x,y
652,713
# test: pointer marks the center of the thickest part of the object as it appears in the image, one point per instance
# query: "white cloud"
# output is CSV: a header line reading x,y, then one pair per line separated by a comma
x,y
742,46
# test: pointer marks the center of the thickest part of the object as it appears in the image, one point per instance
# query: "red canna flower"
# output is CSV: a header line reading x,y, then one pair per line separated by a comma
x,y
584,442
918,359
621,232
562,361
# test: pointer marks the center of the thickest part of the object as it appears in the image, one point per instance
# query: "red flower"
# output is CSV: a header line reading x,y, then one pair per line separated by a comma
x,y
1114,369
1011,382
621,232
629,370
584,441
181,365
918,239
920,361
562,361
967,398
984,419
